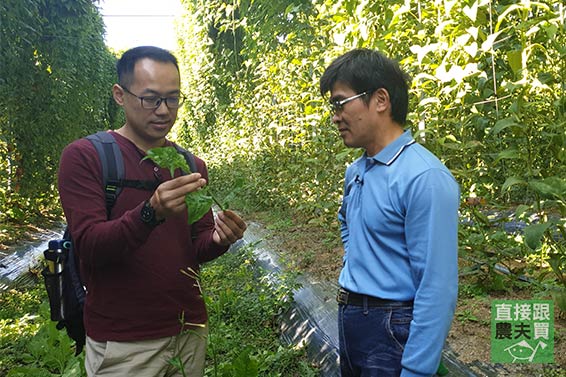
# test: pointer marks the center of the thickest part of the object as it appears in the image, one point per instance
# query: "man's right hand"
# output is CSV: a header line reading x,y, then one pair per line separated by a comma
x,y
169,197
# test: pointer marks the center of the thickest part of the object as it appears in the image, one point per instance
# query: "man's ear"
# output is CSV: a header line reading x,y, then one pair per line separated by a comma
x,y
383,102
118,94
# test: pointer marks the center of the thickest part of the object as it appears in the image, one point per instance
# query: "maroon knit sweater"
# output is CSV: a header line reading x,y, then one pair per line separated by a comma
x,y
135,288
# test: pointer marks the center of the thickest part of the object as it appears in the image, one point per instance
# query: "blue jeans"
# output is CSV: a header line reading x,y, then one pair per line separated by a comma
x,y
372,339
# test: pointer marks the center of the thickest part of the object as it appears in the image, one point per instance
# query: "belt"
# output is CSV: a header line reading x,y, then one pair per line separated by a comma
x,y
345,297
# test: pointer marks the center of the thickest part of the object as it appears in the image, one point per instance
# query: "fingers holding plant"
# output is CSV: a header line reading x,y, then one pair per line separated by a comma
x,y
189,192
199,201
229,228
169,197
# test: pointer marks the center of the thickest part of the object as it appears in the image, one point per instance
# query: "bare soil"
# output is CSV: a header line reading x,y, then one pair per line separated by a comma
x,y
310,249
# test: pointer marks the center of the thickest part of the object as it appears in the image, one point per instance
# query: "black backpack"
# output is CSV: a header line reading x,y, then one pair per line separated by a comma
x,y
61,275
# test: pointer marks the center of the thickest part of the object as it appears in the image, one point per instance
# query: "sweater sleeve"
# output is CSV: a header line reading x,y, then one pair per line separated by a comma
x,y
83,201
99,240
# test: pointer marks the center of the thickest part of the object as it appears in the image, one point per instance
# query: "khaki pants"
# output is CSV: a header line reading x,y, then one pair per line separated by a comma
x,y
148,358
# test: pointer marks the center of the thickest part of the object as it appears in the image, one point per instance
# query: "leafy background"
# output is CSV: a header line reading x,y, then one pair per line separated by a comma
x,y
487,97
487,92
55,75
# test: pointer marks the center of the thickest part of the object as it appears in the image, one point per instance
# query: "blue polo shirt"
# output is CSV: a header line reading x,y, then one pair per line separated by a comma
x,y
399,227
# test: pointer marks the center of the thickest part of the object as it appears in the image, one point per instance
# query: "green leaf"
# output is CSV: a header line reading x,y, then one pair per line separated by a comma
x,y
515,59
73,367
503,124
177,363
521,209
473,31
505,13
343,155
560,298
534,233
551,187
472,49
198,203
28,372
246,366
550,30
487,45
482,218
168,157
511,181
426,101
472,11
508,154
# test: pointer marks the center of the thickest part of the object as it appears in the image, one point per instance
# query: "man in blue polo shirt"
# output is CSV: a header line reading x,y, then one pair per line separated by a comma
x,y
399,227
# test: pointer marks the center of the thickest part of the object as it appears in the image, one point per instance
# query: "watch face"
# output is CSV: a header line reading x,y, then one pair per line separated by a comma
x,y
147,213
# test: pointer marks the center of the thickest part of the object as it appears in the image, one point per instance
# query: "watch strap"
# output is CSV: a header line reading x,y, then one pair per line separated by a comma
x,y
148,215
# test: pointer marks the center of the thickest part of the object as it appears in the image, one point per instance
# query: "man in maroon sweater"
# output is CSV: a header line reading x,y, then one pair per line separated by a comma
x,y
139,304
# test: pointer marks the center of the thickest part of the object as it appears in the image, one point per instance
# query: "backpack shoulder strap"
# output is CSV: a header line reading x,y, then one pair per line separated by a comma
x,y
189,157
113,167
112,164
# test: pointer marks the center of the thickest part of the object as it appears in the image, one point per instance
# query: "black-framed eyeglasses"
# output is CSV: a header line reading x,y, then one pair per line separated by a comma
x,y
153,102
338,106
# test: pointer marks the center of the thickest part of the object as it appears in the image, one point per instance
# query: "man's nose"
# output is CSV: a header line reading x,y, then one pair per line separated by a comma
x,y
336,117
162,108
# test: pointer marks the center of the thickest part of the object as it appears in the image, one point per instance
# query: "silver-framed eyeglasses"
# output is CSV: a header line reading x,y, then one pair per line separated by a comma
x,y
337,106
153,102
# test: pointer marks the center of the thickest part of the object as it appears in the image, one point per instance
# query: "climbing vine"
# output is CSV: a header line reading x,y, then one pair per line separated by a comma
x,y
487,97
487,92
55,75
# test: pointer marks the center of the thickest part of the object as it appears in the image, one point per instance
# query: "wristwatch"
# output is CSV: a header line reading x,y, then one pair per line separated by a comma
x,y
148,215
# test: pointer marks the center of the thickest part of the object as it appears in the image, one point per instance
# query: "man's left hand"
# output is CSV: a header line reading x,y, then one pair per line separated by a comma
x,y
229,228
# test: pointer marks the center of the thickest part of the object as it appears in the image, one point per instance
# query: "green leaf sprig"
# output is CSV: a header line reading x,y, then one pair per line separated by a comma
x,y
198,202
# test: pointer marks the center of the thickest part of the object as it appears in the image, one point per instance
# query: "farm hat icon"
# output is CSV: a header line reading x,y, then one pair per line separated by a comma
x,y
524,351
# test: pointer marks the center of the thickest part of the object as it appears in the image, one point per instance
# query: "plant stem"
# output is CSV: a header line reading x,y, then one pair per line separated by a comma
x,y
216,201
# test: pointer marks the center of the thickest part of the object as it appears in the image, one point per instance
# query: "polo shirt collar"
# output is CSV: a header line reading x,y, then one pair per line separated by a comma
x,y
390,153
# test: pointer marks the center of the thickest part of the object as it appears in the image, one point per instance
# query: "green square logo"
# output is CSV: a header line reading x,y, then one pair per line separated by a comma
x,y
522,331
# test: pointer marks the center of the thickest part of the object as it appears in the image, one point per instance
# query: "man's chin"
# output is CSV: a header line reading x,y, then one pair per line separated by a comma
x,y
158,131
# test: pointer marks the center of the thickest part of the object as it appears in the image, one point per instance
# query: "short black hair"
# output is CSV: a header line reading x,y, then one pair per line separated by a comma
x,y
364,70
125,65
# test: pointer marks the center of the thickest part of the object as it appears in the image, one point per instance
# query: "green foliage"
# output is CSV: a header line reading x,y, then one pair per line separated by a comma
x,y
256,127
169,158
548,236
487,97
18,301
49,351
244,302
198,202
484,245
487,92
17,323
30,345
55,79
